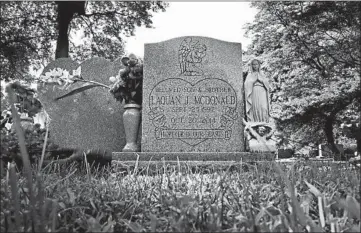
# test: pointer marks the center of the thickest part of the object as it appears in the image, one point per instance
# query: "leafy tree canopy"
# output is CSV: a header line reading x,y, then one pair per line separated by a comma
x,y
27,33
31,29
311,51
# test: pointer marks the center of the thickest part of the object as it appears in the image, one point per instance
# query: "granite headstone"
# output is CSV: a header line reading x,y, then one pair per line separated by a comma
x,y
91,119
193,96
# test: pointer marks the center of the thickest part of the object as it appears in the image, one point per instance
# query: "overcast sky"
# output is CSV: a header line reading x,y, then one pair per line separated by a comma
x,y
220,20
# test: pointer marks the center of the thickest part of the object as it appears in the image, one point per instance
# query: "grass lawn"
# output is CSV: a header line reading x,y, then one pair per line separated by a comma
x,y
258,197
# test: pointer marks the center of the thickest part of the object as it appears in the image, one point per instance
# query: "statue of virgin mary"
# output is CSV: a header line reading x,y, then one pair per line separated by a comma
x,y
257,94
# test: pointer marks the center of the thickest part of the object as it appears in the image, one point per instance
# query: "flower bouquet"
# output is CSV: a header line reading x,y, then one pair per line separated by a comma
x,y
127,84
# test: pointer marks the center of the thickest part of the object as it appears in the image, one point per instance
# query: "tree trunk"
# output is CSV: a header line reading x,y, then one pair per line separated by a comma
x,y
66,11
329,133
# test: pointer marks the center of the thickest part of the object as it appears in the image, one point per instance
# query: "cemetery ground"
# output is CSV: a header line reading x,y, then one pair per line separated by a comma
x,y
144,197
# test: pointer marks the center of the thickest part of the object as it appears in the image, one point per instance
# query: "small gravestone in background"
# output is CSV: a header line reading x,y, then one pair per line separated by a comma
x,y
90,119
193,96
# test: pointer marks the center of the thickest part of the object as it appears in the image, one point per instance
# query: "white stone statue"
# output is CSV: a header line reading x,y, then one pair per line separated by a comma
x,y
258,125
257,97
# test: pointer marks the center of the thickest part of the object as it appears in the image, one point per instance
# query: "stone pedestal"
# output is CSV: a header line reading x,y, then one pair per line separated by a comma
x,y
194,156
256,146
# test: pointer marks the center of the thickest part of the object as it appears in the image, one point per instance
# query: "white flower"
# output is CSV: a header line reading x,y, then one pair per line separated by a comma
x,y
77,72
65,76
8,126
112,79
67,79
24,114
46,76
60,82
57,72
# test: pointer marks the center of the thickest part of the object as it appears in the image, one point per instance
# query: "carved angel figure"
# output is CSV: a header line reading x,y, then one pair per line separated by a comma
x,y
191,54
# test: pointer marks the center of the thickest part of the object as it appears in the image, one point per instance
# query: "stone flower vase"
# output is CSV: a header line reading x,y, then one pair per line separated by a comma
x,y
131,121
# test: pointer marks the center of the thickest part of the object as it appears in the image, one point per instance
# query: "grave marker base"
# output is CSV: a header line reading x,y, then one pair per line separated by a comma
x,y
193,156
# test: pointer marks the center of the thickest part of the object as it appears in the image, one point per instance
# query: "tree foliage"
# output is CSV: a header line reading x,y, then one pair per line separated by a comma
x,y
30,30
103,25
27,33
311,51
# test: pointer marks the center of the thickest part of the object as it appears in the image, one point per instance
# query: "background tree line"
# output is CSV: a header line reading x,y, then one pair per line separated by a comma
x,y
311,52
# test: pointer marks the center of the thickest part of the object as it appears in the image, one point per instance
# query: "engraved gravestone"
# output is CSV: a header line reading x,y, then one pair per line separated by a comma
x,y
193,96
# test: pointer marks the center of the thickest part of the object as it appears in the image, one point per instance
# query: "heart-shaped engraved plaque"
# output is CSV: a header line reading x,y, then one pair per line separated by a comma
x,y
193,112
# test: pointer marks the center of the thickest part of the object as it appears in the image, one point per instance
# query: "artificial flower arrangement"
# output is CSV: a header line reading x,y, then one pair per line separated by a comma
x,y
127,85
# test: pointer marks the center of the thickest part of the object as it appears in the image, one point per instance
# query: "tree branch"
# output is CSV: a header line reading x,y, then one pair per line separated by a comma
x,y
107,13
333,106
89,26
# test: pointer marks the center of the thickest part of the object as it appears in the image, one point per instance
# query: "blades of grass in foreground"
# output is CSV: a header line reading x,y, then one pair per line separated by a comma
x,y
7,174
24,153
53,215
320,211
149,165
299,215
352,206
41,202
179,167
87,167
15,197
136,165
44,145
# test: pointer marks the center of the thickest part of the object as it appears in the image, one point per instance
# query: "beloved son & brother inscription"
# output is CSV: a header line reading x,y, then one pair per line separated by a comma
x,y
193,96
